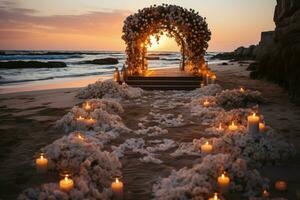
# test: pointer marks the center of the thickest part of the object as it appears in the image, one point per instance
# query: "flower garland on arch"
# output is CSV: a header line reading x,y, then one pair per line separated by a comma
x,y
189,29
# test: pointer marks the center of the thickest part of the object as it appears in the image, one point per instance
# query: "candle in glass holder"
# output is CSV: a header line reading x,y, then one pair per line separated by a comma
x,y
206,103
117,189
220,128
206,148
213,78
66,184
242,90
253,121
262,127
41,164
281,185
223,180
207,78
232,127
87,107
215,197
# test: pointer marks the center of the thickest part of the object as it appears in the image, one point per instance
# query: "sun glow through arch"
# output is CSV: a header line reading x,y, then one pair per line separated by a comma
x,y
165,43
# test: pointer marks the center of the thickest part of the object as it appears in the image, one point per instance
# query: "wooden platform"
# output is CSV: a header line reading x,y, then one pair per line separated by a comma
x,y
165,79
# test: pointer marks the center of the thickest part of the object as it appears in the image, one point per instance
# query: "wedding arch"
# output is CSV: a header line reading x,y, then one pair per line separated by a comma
x,y
189,29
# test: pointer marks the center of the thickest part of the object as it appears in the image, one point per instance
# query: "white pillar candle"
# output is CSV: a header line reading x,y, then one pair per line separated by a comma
x,y
232,127
206,148
41,164
223,180
262,127
253,124
80,119
117,189
66,184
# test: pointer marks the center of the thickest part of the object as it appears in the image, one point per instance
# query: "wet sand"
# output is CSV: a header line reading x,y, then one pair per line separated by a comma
x,y
27,125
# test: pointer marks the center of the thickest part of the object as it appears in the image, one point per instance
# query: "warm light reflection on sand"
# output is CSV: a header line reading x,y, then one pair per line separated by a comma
x,y
51,84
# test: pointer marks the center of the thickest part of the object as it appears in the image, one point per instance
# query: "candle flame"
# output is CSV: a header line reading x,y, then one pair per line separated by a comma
x,y
42,156
80,118
242,89
206,143
232,123
117,180
216,196
220,126
253,114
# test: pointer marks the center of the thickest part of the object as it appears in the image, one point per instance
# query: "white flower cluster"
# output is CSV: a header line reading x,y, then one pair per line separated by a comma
x,y
237,152
236,98
103,116
186,26
167,120
138,145
93,169
109,89
151,131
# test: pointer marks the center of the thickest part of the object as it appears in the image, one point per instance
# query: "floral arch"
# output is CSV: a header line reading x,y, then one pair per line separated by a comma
x,y
189,29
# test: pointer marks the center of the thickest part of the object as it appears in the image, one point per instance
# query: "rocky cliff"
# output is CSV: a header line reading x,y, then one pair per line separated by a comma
x,y
278,52
280,61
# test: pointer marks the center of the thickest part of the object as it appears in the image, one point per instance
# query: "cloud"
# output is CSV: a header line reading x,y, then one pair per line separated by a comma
x,y
15,22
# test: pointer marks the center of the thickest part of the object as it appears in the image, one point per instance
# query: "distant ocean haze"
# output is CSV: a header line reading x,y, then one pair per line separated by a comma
x,y
75,64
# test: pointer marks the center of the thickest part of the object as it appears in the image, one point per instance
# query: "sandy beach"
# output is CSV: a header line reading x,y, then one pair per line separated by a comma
x,y
27,120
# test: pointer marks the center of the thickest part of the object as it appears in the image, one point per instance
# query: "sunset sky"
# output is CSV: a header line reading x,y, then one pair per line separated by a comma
x,y
97,24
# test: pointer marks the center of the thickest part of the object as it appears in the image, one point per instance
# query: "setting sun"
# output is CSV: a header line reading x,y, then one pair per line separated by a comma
x,y
165,43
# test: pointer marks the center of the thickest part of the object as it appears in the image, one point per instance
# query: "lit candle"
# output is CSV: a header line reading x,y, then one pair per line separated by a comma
x,y
223,180
41,164
66,183
253,121
215,197
242,90
90,121
80,118
281,185
206,103
87,107
117,189
265,194
262,127
206,148
80,136
213,78
207,78
220,128
232,127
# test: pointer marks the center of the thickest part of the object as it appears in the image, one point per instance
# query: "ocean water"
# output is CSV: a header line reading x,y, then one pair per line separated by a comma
x,y
75,68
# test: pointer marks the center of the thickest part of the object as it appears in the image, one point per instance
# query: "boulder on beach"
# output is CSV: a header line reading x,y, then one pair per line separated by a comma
x,y
30,64
103,61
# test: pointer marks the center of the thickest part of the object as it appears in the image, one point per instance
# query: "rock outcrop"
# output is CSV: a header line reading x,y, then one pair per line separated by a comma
x,y
103,61
30,64
278,52
280,61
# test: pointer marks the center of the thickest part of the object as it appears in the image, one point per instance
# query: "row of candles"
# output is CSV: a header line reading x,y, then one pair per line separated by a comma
x,y
117,186
88,121
254,126
67,183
